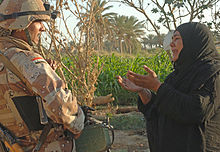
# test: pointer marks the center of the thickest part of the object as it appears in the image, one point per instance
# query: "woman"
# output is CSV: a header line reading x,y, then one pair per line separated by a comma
x,y
183,113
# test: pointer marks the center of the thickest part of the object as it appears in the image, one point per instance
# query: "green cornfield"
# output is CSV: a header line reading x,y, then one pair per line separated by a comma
x,y
115,65
118,65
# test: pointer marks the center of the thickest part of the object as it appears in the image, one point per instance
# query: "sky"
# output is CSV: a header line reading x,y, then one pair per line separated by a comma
x,y
123,9
120,9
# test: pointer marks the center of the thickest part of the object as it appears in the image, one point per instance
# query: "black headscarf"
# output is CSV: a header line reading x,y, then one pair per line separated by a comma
x,y
198,60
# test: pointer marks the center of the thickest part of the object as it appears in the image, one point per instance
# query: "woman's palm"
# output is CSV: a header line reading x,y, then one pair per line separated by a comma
x,y
128,85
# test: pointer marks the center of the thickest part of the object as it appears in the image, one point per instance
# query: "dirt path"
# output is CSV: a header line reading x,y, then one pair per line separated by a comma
x,y
130,131
130,141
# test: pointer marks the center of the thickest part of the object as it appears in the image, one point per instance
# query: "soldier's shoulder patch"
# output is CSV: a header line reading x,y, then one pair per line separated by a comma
x,y
38,60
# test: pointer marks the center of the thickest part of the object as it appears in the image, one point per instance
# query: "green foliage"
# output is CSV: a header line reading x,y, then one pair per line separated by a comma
x,y
154,10
118,65
126,122
114,66
168,1
173,1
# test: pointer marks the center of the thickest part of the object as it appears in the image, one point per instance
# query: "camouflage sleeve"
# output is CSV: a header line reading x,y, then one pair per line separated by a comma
x,y
60,105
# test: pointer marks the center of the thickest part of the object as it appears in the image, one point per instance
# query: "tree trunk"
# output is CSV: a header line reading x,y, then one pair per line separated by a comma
x,y
126,109
121,48
103,99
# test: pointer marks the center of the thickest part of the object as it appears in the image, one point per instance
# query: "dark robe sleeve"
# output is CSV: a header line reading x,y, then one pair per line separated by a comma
x,y
186,108
146,109
150,116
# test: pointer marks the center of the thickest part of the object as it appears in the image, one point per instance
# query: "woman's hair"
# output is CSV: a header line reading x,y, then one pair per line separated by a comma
x,y
5,32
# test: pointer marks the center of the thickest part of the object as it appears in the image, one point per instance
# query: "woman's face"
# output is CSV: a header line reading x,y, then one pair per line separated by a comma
x,y
176,45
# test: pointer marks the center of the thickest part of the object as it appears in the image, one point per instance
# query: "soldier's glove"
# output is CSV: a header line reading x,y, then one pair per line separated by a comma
x,y
87,112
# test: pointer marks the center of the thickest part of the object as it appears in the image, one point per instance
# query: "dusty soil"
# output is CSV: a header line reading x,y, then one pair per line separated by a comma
x,y
130,141
127,140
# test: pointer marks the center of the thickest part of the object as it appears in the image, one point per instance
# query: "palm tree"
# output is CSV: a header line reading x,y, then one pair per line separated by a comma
x,y
150,40
100,25
128,31
144,42
135,32
119,30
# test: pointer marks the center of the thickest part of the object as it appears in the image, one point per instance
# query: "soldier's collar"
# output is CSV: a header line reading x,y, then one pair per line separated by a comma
x,y
17,42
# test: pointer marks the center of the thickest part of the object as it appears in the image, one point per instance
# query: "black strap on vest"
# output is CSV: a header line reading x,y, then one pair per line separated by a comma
x,y
43,137
28,37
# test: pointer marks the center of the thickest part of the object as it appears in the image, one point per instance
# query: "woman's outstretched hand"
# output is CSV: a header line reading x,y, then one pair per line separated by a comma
x,y
128,85
144,94
149,81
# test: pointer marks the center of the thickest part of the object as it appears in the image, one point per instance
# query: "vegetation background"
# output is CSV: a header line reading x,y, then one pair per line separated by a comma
x,y
93,45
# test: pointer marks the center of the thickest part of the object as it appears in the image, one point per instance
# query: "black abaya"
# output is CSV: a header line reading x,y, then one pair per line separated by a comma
x,y
184,114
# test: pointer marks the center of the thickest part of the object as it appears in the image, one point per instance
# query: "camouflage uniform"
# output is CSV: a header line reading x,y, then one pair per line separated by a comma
x,y
59,103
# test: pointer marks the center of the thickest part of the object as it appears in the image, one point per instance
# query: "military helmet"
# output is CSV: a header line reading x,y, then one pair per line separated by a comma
x,y
19,14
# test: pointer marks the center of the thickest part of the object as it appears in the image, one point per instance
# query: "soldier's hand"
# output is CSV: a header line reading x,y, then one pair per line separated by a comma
x,y
87,112
52,63
76,136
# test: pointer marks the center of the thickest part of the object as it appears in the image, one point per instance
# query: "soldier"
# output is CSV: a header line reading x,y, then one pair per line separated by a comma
x,y
20,28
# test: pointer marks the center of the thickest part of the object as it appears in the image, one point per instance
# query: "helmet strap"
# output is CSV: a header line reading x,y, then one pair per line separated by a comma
x,y
28,37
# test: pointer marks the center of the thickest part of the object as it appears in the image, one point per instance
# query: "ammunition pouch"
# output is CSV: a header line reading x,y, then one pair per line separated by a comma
x,y
27,107
95,138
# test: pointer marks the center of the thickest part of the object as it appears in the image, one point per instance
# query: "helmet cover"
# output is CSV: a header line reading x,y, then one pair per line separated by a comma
x,y
8,7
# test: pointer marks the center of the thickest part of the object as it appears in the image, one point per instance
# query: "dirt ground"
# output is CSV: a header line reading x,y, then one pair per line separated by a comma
x,y
130,141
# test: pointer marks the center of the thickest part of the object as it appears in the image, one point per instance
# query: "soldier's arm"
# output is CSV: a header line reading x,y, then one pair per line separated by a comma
x,y
60,105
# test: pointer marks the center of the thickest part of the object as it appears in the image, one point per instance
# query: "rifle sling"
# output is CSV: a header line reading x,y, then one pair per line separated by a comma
x,y
43,137
8,64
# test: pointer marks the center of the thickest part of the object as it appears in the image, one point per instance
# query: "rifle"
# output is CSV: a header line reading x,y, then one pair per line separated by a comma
x,y
9,140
